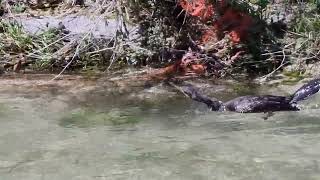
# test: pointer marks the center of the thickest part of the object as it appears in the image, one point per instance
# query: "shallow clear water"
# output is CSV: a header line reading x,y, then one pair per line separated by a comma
x,y
52,136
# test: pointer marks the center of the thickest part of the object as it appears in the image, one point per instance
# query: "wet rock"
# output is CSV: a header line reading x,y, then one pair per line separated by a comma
x,y
76,25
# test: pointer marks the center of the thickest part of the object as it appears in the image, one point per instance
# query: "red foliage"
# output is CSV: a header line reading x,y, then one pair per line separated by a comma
x,y
198,69
189,64
198,8
235,23
232,22
209,35
168,71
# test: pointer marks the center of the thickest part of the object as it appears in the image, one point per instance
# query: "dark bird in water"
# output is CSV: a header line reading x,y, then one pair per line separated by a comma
x,y
256,104
312,87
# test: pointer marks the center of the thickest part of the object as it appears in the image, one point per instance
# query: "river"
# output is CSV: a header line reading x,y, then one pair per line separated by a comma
x,y
81,132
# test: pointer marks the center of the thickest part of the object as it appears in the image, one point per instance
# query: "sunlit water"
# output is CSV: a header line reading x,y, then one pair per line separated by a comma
x,y
48,136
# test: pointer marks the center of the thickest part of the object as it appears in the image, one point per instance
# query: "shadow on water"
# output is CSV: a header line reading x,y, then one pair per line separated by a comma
x,y
84,118
179,112
113,111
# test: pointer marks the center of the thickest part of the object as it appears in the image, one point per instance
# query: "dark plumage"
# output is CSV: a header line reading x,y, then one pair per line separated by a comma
x,y
306,90
254,104
267,103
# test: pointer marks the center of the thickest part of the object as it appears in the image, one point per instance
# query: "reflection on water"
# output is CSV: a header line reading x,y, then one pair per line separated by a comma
x,y
51,137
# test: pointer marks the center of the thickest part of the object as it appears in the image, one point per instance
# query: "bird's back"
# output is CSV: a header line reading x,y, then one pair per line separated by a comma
x,y
267,103
306,90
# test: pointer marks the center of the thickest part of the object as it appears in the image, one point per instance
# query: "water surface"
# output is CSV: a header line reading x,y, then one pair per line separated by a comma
x,y
53,135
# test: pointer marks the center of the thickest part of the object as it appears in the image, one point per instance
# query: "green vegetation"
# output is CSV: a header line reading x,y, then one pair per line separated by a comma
x,y
163,27
49,50
305,35
19,7
14,39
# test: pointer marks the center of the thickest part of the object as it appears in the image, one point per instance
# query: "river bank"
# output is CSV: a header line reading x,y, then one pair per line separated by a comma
x,y
135,87
92,38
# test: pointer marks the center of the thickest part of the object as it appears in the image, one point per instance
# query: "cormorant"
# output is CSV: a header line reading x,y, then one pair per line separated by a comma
x,y
255,104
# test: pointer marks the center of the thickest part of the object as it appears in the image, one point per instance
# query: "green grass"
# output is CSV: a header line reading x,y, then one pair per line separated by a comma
x,y
307,23
52,50
46,48
14,39
19,7
39,49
